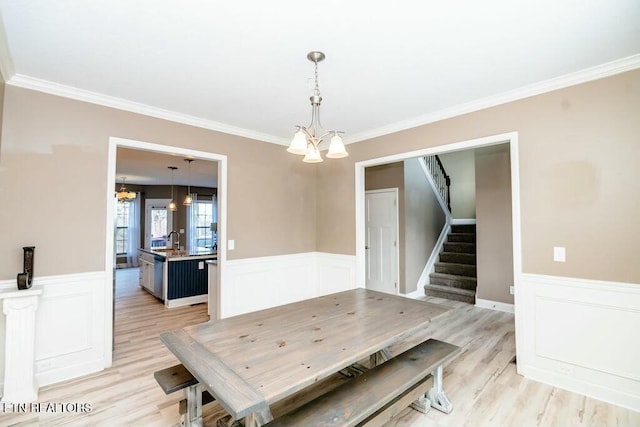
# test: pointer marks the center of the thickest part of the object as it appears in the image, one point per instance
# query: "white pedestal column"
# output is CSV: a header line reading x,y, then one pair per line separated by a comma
x,y
19,307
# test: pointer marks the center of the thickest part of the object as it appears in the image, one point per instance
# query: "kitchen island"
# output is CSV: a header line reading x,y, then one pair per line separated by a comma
x,y
177,278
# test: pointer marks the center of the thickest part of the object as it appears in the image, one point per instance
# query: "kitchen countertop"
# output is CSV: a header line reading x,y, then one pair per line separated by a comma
x,y
173,255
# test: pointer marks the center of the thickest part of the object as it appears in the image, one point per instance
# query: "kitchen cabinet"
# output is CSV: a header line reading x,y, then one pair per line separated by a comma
x,y
151,273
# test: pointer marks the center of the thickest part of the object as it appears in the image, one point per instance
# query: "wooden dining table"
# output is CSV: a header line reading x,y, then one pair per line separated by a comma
x,y
251,361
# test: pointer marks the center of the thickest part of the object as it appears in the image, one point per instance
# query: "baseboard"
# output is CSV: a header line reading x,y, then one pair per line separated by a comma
x,y
577,334
181,302
433,258
495,305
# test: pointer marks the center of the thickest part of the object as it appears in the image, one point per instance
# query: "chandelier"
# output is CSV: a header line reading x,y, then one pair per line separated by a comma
x,y
307,139
123,195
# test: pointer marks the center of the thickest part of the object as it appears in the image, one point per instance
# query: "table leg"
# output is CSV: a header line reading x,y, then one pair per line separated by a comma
x,y
436,395
193,415
257,419
379,357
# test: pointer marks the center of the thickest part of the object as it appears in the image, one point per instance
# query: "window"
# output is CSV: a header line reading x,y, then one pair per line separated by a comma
x,y
122,228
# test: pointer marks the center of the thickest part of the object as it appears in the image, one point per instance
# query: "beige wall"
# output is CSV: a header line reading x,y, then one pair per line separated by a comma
x,y
391,176
579,176
579,156
460,166
423,219
494,237
2,90
53,183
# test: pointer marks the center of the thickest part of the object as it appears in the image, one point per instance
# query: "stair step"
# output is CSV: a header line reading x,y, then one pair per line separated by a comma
x,y
463,228
456,268
448,292
454,281
458,258
460,247
462,237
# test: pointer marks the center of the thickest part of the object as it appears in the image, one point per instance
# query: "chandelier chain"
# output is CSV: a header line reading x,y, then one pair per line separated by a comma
x,y
317,88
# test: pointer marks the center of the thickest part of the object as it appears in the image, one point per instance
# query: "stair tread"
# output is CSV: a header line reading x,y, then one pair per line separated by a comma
x,y
449,289
453,276
457,253
453,264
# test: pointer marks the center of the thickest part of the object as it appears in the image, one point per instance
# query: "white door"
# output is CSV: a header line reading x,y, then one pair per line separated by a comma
x,y
381,222
158,223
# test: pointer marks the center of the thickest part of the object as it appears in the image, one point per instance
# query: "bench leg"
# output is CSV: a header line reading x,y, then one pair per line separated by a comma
x,y
435,398
193,415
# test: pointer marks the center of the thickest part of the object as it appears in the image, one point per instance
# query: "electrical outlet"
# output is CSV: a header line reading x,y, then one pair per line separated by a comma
x,y
201,265
231,244
512,290
559,254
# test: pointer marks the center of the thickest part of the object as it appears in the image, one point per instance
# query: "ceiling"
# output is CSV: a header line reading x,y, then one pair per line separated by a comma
x,y
151,168
240,66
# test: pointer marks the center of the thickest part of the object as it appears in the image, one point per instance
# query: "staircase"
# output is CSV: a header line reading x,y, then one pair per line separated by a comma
x,y
455,272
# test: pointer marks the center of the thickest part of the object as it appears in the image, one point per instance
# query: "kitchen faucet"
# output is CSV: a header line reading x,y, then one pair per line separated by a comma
x,y
177,238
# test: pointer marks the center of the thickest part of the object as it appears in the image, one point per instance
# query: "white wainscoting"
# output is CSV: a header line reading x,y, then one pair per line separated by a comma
x,y
257,283
580,335
70,326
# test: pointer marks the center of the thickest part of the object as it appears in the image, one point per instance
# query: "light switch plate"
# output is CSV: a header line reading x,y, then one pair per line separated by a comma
x,y
231,244
559,254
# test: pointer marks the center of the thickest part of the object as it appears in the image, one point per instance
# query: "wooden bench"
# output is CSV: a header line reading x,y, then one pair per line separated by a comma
x,y
233,393
177,378
379,394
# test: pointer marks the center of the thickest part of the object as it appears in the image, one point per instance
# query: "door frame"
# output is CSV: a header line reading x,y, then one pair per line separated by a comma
x,y
397,250
510,138
114,143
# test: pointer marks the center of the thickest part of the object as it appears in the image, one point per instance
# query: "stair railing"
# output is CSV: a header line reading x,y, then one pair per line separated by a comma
x,y
440,178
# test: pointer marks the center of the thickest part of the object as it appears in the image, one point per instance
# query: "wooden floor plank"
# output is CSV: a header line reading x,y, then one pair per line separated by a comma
x,y
481,382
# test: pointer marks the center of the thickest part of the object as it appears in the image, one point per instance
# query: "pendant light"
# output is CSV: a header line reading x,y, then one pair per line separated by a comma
x,y
189,199
172,204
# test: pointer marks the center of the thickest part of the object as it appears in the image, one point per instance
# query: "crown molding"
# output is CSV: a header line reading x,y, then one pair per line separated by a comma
x,y
52,88
583,76
594,73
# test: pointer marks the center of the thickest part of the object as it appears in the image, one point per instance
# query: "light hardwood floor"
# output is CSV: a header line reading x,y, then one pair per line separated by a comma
x,y
482,382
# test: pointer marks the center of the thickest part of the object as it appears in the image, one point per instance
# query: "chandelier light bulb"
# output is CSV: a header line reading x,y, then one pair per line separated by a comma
x,y
298,144
336,148
312,155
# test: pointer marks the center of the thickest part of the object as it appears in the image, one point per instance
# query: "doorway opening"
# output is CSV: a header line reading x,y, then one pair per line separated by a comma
x,y
154,150
361,232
